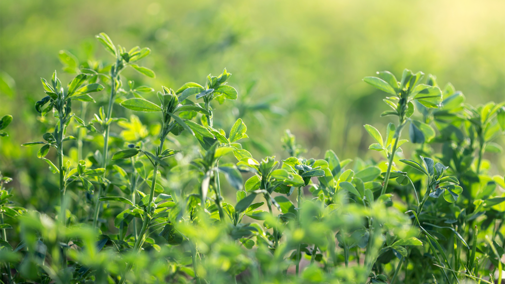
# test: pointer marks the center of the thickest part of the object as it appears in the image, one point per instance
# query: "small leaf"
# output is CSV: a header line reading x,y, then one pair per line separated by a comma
x,y
233,176
243,204
116,198
5,121
52,167
125,154
415,134
350,188
43,151
107,43
380,84
197,128
412,241
146,71
228,91
414,165
238,131
140,105
368,174
375,133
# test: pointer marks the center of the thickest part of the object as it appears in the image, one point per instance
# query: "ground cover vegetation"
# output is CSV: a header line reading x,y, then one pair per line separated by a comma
x,y
141,172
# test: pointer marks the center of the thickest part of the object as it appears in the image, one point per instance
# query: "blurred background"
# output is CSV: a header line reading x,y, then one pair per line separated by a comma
x,y
297,64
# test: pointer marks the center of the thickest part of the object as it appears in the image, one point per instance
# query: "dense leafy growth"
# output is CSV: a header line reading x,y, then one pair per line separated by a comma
x,y
151,205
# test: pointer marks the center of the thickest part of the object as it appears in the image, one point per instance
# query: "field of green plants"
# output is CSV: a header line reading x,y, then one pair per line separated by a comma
x,y
206,142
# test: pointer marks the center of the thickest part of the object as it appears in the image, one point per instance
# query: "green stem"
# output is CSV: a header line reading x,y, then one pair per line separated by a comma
x,y
133,189
269,204
390,164
62,174
298,250
398,267
217,187
105,145
314,251
141,238
4,236
425,198
481,153
82,132
193,261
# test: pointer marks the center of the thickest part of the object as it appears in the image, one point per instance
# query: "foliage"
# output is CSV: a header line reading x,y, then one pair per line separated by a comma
x,y
148,205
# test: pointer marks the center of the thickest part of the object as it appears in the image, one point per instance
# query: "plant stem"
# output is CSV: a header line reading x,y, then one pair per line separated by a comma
x,y
133,186
390,164
4,237
106,143
425,198
314,251
217,187
60,166
140,240
398,268
481,153
82,132
299,249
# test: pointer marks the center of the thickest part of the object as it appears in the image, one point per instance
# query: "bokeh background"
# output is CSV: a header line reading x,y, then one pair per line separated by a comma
x,y
305,59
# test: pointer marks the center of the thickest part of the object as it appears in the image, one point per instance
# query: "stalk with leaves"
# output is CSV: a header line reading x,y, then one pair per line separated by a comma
x,y
59,101
404,94
123,59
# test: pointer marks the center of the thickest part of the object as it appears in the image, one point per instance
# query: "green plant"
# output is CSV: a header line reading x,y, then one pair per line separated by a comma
x,y
163,214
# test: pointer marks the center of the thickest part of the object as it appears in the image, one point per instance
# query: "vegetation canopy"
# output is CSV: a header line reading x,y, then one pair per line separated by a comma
x,y
144,175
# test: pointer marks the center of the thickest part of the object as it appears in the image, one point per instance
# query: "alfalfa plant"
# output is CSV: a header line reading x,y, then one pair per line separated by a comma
x,y
59,101
404,94
123,59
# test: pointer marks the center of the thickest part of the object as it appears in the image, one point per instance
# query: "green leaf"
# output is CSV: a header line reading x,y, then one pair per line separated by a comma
x,y
141,54
452,229
5,121
116,198
187,86
350,188
375,133
412,241
452,192
333,162
182,123
253,183
228,91
107,43
389,78
233,176
197,128
43,151
243,204
52,167
427,131
380,84
91,88
285,204
492,147
140,105
192,108
414,165
69,60
368,174
416,135
429,96
238,131
125,154
501,118
494,201
146,71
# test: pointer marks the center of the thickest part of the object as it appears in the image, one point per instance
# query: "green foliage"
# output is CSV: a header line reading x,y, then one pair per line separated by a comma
x,y
157,210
